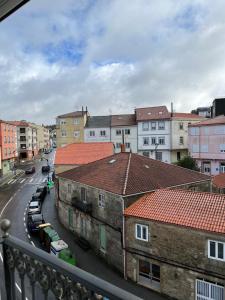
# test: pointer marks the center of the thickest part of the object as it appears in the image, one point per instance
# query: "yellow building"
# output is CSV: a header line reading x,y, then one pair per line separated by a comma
x,y
43,139
70,128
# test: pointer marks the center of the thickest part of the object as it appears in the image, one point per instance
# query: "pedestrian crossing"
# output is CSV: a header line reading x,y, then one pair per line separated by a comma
x,y
27,181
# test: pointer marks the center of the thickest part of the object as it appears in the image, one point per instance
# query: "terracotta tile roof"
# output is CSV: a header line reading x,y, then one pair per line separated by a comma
x,y
82,153
220,120
219,181
20,123
152,113
78,113
187,116
129,173
123,120
203,211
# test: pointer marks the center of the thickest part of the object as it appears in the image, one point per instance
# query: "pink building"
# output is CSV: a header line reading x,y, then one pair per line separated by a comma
x,y
206,143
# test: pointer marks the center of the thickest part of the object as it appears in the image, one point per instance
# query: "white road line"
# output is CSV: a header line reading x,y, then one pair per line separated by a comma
x,y
24,219
22,180
6,206
17,286
10,181
44,180
1,256
31,179
26,229
32,243
28,236
14,181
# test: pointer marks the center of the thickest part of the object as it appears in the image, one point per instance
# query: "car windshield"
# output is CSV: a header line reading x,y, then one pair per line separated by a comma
x,y
34,204
37,218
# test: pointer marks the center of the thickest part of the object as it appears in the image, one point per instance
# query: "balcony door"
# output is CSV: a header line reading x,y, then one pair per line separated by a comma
x,y
149,274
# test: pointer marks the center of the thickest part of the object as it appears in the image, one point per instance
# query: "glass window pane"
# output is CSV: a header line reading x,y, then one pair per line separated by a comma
x,y
144,233
144,267
220,251
212,249
155,272
138,231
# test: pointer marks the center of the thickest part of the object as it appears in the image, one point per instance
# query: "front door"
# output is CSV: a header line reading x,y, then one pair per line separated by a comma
x,y
102,236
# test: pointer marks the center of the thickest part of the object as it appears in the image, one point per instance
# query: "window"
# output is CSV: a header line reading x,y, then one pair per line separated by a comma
x,y
181,125
222,167
92,133
204,148
149,274
22,130
216,250
195,148
127,145
102,133
76,121
145,126
158,156
209,291
63,133
146,153
69,188
83,194
161,140
146,141
181,140
161,125
5,139
194,130
9,139
62,122
76,133
222,147
127,131
101,200
206,166
153,140
5,151
153,125
118,145
141,232
118,132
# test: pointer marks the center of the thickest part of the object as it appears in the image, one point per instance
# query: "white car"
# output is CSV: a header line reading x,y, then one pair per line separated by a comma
x,y
34,208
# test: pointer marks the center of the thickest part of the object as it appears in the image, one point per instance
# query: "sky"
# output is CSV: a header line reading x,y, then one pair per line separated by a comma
x,y
111,56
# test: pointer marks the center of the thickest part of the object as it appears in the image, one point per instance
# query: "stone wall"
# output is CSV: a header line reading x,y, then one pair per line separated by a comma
x,y
181,253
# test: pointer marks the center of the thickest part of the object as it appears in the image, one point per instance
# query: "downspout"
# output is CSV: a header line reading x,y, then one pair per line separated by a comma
x,y
124,247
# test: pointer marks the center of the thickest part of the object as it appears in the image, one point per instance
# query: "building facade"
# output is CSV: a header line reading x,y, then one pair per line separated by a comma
x,y
172,248
179,134
97,129
154,132
8,144
207,145
91,198
43,138
70,128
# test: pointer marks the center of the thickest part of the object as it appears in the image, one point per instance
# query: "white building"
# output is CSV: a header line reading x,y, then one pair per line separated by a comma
x,y
97,129
154,127
124,130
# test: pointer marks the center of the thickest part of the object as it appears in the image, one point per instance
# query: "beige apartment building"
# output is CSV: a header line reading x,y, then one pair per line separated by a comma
x,y
70,128
43,138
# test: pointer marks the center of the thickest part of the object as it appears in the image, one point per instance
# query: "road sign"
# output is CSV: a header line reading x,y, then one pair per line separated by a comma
x,y
7,7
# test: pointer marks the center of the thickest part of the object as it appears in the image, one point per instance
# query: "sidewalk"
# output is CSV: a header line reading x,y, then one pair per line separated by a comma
x,y
10,176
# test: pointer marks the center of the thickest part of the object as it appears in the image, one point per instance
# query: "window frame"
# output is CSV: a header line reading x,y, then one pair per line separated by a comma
x,y
103,133
163,139
136,231
147,138
143,126
127,131
161,127
216,250
91,133
118,131
181,140
101,200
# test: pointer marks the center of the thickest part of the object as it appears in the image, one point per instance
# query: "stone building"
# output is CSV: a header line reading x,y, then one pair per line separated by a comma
x,y
175,244
91,198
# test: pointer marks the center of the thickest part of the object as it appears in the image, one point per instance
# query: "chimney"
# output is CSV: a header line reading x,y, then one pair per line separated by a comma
x,y
82,110
122,146
171,109
86,109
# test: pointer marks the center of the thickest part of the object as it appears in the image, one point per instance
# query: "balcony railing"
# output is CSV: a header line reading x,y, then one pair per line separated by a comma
x,y
44,276
82,206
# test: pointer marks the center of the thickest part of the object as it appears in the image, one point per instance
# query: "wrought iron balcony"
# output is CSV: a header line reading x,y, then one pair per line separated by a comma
x,y
82,206
44,276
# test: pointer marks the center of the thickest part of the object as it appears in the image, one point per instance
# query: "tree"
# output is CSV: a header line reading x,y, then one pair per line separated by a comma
x,y
189,163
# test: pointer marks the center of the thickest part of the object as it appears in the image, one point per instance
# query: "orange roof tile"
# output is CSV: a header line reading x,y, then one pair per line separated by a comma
x,y
152,113
219,181
82,153
220,120
187,116
203,211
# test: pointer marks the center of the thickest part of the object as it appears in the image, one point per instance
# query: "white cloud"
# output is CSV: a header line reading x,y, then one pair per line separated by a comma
x,y
133,53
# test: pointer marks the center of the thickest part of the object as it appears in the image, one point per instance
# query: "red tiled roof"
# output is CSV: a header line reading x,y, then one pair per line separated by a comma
x,y
220,120
123,120
128,173
152,113
187,116
203,211
219,181
82,153
78,113
19,123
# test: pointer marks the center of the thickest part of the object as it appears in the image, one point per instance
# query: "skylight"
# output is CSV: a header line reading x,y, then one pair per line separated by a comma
x,y
149,113
112,161
160,112
146,166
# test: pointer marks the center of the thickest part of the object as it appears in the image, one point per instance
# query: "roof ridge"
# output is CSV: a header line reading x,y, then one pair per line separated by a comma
x,y
127,173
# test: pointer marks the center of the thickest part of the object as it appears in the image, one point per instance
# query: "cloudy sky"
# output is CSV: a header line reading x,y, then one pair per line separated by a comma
x,y
110,55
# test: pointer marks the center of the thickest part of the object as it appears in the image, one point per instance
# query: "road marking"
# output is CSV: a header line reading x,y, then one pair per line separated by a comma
x,y
31,179
17,286
26,229
10,181
14,181
1,256
24,219
22,180
32,243
6,206
28,236
44,180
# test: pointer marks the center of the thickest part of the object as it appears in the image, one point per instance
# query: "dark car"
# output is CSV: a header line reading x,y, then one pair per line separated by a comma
x,y
34,207
37,197
47,151
45,169
30,170
33,222
42,189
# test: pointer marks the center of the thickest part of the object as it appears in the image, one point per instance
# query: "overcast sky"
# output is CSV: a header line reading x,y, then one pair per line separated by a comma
x,y
110,55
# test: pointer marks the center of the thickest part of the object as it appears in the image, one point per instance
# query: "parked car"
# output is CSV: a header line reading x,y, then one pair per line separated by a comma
x,y
37,197
47,151
43,190
45,169
30,170
33,222
34,208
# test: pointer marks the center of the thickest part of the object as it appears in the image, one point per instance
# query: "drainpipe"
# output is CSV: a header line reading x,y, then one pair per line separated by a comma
x,y
124,247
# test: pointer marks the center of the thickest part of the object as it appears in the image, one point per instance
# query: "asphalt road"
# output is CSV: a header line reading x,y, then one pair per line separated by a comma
x,y
14,198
